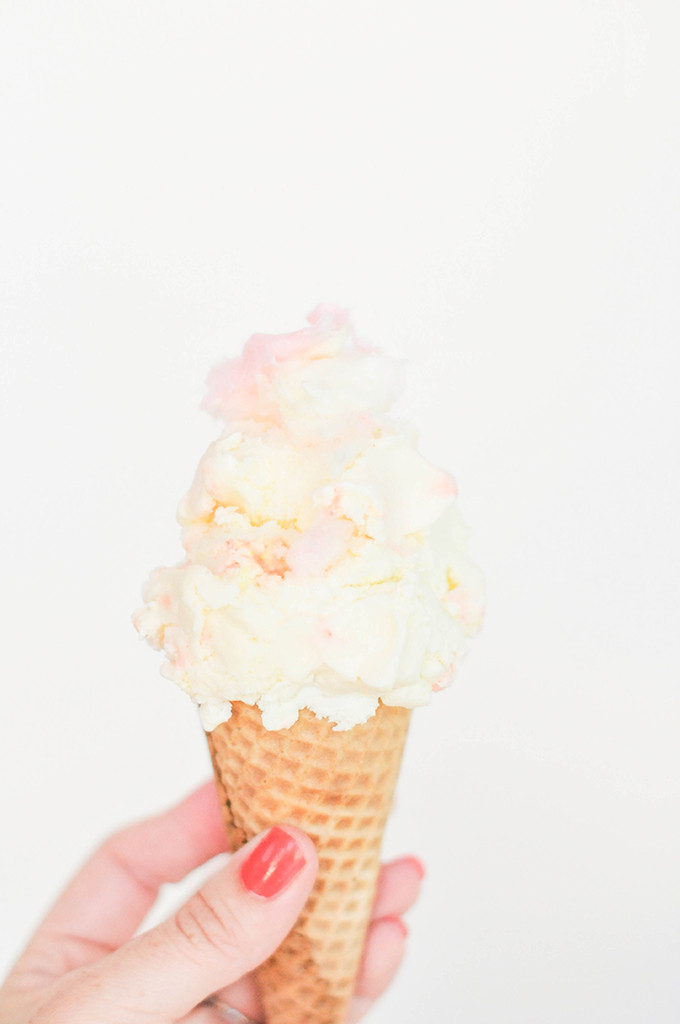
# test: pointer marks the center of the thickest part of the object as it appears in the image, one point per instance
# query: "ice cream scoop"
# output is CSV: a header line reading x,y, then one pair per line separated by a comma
x,y
326,560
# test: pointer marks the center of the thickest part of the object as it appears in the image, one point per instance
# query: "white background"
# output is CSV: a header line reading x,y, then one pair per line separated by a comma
x,y
491,188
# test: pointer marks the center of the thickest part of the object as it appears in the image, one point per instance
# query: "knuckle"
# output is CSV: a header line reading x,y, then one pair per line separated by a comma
x,y
111,842
108,851
110,846
205,924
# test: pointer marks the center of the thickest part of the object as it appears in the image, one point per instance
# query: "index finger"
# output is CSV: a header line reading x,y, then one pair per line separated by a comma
x,y
112,893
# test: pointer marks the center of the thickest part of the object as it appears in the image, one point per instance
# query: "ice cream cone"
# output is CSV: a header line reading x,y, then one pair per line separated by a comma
x,y
325,561
338,787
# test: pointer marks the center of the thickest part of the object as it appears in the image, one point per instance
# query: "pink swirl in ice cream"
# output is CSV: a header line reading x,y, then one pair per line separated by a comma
x,y
326,558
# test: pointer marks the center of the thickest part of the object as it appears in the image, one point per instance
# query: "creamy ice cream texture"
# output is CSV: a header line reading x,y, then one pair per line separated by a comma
x,y
326,560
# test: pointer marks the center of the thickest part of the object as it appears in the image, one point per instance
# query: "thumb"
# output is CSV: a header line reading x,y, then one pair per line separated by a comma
x,y
231,925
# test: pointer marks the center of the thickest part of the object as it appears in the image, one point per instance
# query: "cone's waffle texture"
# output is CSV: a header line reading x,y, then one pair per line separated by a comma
x,y
338,788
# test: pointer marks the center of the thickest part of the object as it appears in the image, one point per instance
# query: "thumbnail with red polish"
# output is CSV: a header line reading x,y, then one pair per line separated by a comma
x,y
273,864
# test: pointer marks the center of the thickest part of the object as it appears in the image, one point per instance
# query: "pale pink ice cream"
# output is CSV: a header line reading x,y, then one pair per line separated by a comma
x,y
326,558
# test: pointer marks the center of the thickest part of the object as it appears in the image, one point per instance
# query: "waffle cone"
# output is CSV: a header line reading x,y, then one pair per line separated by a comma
x,y
338,788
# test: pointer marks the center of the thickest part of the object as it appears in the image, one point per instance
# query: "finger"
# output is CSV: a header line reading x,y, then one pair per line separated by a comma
x,y
383,954
233,923
397,890
110,896
398,887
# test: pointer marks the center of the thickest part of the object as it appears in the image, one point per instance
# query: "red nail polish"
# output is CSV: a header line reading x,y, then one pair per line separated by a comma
x,y
273,864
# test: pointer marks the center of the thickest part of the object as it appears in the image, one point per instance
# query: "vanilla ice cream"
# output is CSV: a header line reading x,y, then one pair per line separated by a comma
x,y
326,561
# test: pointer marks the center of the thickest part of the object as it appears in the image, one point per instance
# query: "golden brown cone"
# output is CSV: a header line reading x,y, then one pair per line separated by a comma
x,y
338,788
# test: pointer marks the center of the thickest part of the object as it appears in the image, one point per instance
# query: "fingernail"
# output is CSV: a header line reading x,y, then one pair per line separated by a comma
x,y
273,864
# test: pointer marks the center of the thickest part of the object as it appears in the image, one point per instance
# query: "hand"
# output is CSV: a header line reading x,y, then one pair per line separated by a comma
x,y
84,965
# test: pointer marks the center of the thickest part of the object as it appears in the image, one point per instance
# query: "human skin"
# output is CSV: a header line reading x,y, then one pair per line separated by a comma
x,y
86,963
